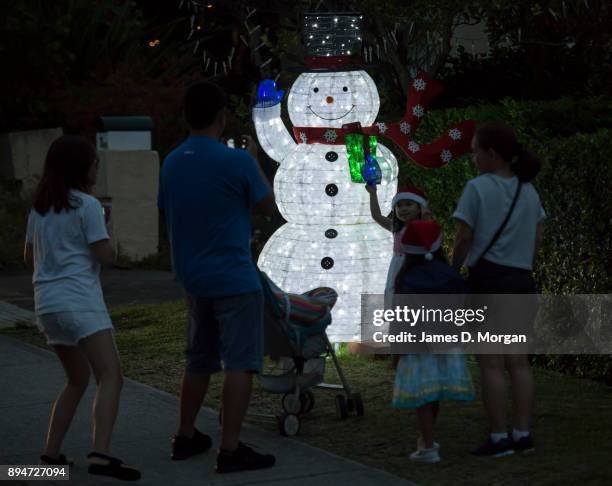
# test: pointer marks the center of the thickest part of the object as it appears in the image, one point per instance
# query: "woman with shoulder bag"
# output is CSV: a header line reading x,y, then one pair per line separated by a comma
x,y
499,227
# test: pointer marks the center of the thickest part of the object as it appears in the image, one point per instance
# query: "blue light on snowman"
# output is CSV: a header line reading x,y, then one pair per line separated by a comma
x,y
267,95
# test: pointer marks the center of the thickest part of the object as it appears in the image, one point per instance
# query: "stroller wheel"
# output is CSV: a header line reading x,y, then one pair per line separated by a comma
x,y
307,400
341,407
291,403
350,404
358,402
288,424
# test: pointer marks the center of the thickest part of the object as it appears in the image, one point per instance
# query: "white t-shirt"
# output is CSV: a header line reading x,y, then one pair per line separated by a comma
x,y
66,274
483,206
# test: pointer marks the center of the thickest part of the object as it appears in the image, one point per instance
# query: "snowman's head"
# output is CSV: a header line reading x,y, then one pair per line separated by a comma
x,y
332,99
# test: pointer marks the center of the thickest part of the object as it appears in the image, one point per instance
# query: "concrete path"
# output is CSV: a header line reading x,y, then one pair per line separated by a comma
x,y
120,287
30,379
11,315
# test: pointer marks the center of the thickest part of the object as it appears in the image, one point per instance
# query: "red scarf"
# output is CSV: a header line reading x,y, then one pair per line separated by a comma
x,y
455,141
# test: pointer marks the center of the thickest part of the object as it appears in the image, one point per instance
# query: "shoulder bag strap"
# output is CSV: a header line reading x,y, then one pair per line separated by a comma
x,y
500,230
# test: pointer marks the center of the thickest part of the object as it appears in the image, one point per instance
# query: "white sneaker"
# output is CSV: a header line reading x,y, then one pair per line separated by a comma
x,y
421,445
425,455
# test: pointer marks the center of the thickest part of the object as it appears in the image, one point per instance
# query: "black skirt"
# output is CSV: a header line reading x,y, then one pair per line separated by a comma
x,y
490,278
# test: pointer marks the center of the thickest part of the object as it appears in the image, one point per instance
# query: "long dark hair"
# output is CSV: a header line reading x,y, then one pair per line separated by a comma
x,y
502,139
66,167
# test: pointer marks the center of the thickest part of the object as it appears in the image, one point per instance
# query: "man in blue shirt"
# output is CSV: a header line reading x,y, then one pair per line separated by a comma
x,y
207,192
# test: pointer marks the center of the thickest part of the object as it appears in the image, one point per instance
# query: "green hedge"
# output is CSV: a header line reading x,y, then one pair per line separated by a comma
x,y
592,367
576,189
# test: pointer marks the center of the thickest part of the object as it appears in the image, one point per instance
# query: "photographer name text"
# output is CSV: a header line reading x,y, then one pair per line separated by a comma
x,y
464,337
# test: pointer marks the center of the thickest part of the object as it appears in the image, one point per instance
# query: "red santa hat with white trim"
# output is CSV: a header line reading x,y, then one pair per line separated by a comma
x,y
422,237
410,193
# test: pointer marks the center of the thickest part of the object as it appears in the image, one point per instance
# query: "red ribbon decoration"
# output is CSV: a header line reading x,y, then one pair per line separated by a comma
x,y
455,141
330,62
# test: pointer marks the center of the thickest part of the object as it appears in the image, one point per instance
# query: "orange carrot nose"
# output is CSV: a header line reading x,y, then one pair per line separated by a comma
x,y
330,99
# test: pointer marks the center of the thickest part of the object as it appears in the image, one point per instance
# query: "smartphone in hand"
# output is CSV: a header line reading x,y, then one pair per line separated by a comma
x,y
238,142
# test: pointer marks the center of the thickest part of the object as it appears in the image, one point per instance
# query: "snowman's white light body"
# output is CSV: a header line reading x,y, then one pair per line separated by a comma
x,y
330,238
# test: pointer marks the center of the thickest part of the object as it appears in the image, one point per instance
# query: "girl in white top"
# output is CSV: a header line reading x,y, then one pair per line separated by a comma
x,y
66,241
502,268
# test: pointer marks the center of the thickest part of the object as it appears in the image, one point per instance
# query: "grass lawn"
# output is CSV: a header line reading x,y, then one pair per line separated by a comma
x,y
573,422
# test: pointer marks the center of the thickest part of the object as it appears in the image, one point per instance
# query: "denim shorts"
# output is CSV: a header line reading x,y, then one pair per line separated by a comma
x,y
68,328
225,329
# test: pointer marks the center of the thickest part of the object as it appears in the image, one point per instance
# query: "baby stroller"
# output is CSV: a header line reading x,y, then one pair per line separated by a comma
x,y
295,338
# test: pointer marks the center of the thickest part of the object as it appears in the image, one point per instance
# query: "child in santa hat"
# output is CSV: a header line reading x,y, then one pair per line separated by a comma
x,y
408,204
422,380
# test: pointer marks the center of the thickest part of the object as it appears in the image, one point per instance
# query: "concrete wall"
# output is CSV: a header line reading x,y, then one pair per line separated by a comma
x,y
22,156
129,180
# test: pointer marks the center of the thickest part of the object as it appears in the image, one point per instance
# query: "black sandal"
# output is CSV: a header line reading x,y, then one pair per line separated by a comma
x,y
115,468
62,460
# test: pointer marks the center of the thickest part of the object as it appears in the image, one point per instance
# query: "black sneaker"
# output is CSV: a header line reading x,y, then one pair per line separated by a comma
x,y
184,447
524,445
103,465
501,448
243,459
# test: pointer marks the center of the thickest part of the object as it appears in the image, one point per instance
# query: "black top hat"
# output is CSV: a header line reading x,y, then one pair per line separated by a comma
x,y
332,39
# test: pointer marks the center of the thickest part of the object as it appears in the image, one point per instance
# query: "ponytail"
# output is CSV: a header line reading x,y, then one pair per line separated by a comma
x,y
526,164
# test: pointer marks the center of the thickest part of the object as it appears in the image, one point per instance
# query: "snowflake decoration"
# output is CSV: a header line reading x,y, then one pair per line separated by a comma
x,y
455,134
405,127
330,135
382,127
303,137
414,147
418,111
419,84
446,155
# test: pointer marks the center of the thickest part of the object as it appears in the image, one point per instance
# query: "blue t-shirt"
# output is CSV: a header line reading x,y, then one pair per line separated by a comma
x,y
206,191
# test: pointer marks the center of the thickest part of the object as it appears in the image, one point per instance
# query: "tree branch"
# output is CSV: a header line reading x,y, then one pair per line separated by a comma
x,y
447,35
401,69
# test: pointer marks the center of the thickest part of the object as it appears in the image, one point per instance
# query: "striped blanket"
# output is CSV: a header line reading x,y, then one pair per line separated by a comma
x,y
309,307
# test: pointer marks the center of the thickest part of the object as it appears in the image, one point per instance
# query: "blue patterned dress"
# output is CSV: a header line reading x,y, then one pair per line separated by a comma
x,y
426,378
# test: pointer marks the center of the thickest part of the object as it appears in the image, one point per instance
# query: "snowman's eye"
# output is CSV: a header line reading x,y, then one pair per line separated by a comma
x,y
316,90
345,89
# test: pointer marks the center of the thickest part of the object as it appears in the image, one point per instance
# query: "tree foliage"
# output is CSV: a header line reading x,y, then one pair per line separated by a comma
x,y
54,47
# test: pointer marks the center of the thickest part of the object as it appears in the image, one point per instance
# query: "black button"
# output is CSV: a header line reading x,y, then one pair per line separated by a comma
x,y
331,156
331,190
327,263
331,233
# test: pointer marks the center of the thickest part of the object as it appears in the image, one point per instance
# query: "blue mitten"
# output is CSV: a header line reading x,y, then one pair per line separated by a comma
x,y
267,95
371,171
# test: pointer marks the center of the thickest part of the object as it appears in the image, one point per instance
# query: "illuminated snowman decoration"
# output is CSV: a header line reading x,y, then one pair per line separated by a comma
x,y
330,238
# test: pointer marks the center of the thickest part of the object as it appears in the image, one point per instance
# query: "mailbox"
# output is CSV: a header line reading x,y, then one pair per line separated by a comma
x,y
124,133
